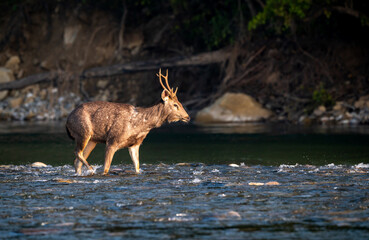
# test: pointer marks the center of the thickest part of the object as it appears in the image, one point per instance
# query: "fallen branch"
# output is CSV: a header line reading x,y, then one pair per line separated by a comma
x,y
119,69
197,60
30,80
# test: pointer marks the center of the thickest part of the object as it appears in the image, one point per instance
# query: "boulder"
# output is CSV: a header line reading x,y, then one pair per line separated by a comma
x,y
13,63
6,75
339,107
233,107
363,102
319,111
15,102
102,83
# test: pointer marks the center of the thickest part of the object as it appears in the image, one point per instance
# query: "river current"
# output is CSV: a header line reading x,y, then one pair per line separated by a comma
x,y
195,184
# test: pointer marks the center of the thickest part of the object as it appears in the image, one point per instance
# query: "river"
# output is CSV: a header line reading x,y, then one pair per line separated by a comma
x,y
252,181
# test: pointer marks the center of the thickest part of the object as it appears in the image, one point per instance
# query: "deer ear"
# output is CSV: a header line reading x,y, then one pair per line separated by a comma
x,y
165,95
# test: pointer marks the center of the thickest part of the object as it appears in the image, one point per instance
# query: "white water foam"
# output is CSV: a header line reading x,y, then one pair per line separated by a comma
x,y
361,165
331,166
197,172
288,165
196,180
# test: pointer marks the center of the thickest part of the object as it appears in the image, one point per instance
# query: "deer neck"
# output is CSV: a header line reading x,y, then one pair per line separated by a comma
x,y
154,116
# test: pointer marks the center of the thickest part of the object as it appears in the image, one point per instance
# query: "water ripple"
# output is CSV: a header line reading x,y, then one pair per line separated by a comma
x,y
186,201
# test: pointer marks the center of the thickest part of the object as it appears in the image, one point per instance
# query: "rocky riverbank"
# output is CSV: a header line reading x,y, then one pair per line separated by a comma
x,y
243,108
342,113
44,103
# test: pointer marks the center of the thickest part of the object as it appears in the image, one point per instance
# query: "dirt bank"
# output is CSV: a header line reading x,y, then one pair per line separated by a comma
x,y
292,78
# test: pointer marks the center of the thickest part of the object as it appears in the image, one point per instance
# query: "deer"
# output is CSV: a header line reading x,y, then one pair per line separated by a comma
x,y
120,125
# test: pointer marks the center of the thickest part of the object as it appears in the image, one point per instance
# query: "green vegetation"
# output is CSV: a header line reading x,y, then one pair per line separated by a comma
x,y
322,97
209,24
206,24
281,13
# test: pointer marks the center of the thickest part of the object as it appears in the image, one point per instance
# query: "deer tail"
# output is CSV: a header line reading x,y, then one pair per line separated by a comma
x,y
68,132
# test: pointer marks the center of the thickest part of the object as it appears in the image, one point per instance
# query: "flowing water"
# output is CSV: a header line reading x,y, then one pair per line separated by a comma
x,y
219,182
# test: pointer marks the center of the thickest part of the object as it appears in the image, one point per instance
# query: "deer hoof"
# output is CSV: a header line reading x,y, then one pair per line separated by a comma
x,y
90,171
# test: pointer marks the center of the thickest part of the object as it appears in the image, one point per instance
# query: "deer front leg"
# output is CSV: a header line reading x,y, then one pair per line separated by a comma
x,y
133,152
109,153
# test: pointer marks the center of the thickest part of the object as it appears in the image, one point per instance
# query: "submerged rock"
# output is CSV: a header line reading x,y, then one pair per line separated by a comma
x,y
256,184
38,164
234,165
230,215
272,183
233,107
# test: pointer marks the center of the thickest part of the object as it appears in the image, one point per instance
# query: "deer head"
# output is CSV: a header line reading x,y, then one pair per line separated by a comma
x,y
171,102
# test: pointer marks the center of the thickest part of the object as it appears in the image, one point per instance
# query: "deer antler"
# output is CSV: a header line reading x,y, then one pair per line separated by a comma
x,y
170,90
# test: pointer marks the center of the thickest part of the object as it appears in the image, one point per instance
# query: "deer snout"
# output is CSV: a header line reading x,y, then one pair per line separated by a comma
x,y
186,119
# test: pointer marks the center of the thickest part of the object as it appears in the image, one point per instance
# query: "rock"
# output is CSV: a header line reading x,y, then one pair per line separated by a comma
x,y
229,215
38,164
13,64
273,183
15,102
30,116
339,107
64,181
233,107
183,164
102,83
6,75
133,41
256,184
5,166
47,64
70,34
273,78
319,111
354,121
327,120
363,102
43,94
302,119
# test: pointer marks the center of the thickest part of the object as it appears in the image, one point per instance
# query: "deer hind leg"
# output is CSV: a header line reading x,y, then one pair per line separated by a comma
x,y
81,145
134,153
86,152
109,153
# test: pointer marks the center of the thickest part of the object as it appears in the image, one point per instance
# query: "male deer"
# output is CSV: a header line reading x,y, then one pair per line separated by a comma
x,y
120,125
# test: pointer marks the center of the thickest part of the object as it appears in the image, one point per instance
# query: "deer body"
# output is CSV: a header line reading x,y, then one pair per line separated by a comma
x,y
119,126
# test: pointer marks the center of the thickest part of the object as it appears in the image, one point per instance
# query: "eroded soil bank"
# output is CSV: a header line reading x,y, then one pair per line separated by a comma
x,y
292,77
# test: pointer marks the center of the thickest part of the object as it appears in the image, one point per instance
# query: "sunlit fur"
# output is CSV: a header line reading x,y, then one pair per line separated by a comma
x,y
118,126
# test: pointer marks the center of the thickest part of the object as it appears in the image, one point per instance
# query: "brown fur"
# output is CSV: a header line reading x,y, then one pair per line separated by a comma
x,y
118,126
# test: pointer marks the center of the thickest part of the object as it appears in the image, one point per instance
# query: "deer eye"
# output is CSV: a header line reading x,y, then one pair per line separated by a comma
x,y
176,106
